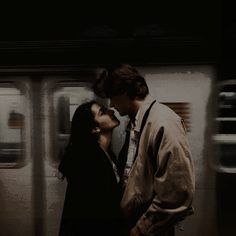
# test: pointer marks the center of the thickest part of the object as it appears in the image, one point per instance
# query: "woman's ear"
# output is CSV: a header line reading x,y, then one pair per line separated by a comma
x,y
96,130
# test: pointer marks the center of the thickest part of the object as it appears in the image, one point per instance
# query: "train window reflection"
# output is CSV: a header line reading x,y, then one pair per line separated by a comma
x,y
227,157
65,100
225,122
11,125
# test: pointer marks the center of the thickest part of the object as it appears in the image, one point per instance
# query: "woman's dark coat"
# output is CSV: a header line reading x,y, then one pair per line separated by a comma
x,y
91,204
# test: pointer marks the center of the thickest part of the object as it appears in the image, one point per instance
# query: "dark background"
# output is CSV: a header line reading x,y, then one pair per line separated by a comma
x,y
99,32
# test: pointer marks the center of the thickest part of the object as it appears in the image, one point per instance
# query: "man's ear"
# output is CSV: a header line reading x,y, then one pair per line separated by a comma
x,y
96,130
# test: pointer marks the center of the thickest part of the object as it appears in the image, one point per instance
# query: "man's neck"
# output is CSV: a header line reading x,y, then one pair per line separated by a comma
x,y
136,104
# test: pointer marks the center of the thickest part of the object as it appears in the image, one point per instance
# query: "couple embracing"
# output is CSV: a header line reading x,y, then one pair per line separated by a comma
x,y
149,187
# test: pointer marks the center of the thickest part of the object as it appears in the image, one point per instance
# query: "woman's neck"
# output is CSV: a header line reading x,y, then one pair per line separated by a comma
x,y
104,140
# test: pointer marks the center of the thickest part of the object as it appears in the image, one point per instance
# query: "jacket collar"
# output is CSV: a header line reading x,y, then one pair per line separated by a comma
x,y
143,108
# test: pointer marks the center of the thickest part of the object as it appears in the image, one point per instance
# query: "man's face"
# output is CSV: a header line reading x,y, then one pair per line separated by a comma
x,y
121,103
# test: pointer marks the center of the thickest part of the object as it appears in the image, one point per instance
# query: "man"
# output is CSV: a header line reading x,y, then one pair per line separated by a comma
x,y
155,162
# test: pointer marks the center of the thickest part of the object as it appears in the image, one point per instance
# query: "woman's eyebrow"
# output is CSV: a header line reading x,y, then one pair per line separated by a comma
x,y
104,110
101,109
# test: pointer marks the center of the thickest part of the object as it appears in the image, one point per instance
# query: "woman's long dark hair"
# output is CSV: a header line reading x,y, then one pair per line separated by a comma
x,y
80,136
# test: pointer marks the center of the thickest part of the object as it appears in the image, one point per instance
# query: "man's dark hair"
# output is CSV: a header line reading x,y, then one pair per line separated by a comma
x,y
120,79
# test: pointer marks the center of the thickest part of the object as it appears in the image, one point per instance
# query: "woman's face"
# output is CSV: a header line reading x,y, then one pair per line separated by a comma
x,y
104,117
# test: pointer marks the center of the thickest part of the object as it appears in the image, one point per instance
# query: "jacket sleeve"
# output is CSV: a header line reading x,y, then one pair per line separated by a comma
x,y
173,184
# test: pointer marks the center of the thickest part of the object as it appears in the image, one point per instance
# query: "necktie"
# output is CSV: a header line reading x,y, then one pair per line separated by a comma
x,y
122,157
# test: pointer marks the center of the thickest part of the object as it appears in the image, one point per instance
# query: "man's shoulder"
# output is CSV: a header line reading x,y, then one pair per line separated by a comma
x,y
161,111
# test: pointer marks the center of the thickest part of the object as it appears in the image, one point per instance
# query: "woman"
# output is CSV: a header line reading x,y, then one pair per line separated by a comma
x,y
91,204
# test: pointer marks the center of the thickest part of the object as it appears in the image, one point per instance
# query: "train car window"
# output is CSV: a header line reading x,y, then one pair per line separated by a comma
x,y
225,121
12,123
66,98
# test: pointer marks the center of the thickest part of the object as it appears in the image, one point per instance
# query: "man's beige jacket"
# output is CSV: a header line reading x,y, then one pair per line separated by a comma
x,y
161,184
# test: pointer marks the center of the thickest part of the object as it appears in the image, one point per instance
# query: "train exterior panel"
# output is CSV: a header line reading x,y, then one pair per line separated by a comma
x,y
36,111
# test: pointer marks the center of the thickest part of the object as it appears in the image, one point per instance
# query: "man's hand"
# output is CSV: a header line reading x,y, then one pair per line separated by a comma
x,y
135,232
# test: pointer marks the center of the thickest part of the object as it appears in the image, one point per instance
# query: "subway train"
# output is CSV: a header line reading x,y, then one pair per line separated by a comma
x,y
36,112
49,59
